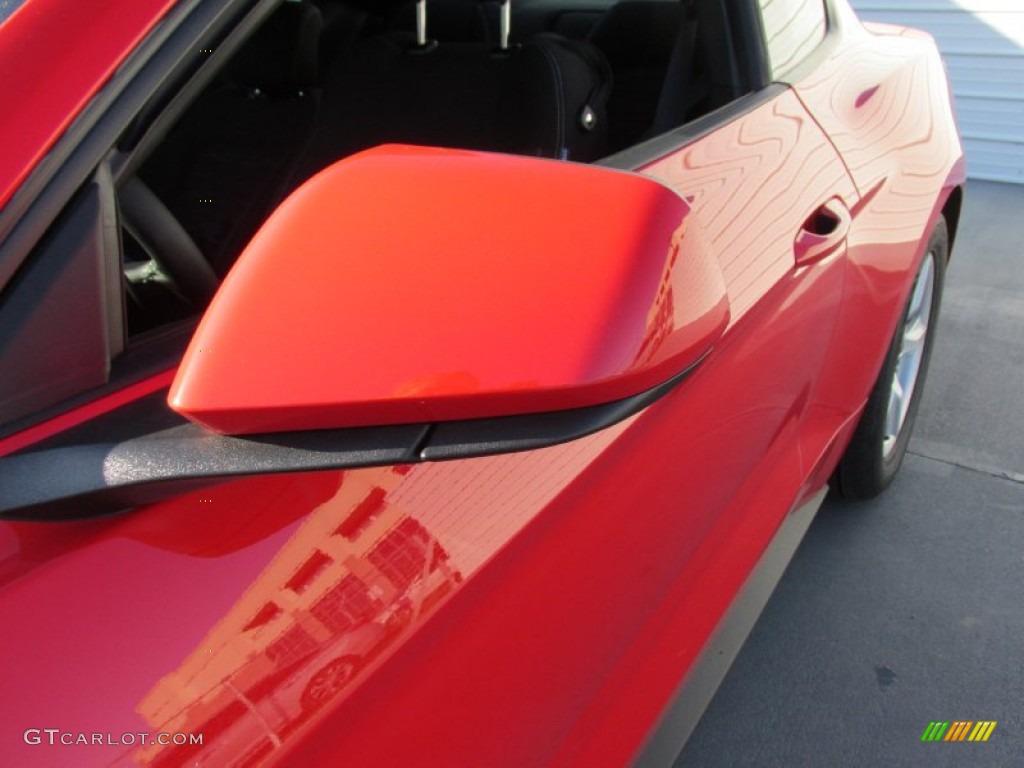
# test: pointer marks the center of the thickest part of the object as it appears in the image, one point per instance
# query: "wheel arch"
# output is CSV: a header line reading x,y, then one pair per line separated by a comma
x,y
951,212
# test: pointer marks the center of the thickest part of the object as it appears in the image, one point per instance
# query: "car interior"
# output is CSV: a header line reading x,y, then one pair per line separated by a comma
x,y
318,80
244,100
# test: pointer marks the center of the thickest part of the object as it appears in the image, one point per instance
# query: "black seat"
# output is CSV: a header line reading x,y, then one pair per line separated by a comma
x,y
637,37
545,98
452,21
344,22
702,72
282,56
271,120
224,165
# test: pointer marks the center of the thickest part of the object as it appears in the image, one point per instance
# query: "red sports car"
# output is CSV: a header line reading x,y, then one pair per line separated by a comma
x,y
403,383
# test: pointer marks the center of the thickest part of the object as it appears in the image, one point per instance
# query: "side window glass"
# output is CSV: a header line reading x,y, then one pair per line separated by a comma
x,y
792,28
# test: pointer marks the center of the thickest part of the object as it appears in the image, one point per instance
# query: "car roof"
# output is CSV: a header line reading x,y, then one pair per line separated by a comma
x,y
55,56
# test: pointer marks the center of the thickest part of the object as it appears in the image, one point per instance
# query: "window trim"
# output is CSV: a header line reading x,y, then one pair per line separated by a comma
x,y
653,149
61,324
84,152
157,65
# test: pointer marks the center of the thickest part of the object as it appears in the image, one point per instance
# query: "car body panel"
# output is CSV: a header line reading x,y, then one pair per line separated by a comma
x,y
77,66
747,173
883,99
91,410
739,478
537,608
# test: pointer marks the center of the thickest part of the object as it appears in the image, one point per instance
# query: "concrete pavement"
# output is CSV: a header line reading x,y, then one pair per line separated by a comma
x,y
909,608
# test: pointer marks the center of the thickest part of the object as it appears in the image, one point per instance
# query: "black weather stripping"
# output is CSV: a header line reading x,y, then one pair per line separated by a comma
x,y
92,479
101,478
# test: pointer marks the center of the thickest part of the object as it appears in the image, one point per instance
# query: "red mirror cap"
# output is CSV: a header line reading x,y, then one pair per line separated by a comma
x,y
409,285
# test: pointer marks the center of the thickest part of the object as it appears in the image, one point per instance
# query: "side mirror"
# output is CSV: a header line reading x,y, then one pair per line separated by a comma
x,y
413,304
409,285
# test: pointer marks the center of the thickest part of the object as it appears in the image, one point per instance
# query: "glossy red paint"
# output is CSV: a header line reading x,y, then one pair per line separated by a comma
x,y
542,552
529,609
404,309
753,191
604,553
882,96
77,65
27,437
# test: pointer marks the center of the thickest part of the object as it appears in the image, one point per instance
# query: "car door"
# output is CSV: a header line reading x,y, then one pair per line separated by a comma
x,y
882,95
597,589
596,572
548,602
774,200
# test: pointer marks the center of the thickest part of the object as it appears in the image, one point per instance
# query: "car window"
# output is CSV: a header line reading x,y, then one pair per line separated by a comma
x,y
194,178
793,28
309,88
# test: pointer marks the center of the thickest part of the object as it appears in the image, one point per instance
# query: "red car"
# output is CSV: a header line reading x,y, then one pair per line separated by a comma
x,y
389,383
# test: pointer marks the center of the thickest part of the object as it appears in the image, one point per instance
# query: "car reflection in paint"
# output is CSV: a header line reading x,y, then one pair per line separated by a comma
x,y
626,385
304,631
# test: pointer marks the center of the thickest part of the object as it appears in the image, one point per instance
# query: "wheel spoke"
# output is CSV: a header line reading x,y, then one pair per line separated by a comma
x,y
329,681
910,354
895,409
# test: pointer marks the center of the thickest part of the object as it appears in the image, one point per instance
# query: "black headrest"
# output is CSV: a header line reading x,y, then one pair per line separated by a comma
x,y
283,55
378,7
640,32
456,21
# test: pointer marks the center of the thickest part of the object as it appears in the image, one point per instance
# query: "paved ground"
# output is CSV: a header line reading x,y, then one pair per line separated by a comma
x,y
909,608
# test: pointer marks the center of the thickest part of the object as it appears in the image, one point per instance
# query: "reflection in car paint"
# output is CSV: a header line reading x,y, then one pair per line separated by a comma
x,y
357,574
531,609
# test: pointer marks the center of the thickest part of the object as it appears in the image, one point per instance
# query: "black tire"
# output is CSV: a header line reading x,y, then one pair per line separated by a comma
x,y
866,469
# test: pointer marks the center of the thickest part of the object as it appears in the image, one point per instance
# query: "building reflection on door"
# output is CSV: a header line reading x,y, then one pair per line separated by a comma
x,y
352,578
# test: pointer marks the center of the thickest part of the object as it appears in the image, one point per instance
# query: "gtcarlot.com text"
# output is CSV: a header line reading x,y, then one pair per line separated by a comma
x,y
55,736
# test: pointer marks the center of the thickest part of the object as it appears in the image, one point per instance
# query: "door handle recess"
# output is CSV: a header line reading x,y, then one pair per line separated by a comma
x,y
823,233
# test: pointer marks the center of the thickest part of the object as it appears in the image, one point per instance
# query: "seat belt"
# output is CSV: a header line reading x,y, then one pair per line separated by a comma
x,y
681,90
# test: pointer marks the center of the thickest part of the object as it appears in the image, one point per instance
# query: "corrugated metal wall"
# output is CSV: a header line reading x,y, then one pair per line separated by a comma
x,y
982,42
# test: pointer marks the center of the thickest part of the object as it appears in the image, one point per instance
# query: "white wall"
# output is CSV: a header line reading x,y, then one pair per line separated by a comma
x,y
982,42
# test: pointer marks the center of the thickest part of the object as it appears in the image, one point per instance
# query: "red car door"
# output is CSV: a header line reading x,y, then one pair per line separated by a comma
x,y
522,609
488,590
775,201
